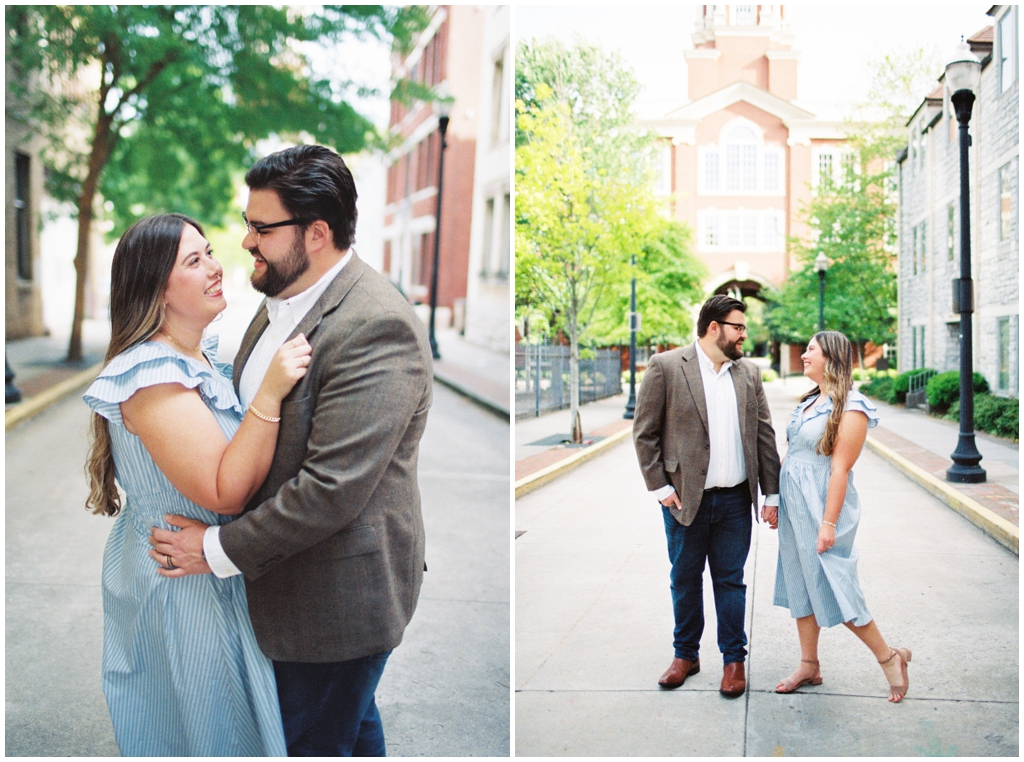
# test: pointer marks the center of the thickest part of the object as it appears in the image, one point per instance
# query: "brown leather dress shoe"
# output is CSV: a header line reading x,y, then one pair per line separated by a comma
x,y
677,672
734,682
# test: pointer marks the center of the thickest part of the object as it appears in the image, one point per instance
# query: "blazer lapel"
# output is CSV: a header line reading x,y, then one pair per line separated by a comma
x,y
259,324
739,384
331,297
691,373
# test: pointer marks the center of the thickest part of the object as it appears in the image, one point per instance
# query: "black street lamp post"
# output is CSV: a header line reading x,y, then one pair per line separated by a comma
x,y
821,265
444,109
633,326
963,76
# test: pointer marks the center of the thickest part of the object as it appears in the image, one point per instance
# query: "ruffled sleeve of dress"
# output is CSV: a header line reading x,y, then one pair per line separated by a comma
x,y
857,401
151,363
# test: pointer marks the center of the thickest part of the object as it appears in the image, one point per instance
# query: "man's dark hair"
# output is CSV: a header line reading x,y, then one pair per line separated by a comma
x,y
313,183
717,309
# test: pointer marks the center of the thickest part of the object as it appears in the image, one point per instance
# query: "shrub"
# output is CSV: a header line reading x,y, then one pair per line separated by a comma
x,y
996,415
768,375
881,388
944,389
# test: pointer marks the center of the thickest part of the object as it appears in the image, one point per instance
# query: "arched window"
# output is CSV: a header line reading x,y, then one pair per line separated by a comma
x,y
741,165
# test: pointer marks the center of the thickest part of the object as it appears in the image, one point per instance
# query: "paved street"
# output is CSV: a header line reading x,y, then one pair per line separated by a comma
x,y
446,689
594,631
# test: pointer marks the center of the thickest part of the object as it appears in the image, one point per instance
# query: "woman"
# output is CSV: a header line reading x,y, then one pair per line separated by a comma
x,y
181,669
816,578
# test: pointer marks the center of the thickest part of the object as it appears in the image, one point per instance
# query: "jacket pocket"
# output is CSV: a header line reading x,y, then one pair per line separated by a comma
x,y
671,466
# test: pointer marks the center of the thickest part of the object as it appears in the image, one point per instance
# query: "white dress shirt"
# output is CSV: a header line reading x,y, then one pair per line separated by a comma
x,y
285,316
727,467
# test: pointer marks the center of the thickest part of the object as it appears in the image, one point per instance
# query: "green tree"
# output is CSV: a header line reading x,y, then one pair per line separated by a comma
x,y
573,225
669,279
184,93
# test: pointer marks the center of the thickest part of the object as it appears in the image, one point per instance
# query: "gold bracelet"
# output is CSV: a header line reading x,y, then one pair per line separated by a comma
x,y
822,521
260,415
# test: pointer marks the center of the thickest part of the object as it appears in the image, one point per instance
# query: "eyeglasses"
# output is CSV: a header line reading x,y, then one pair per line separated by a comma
x,y
742,328
258,230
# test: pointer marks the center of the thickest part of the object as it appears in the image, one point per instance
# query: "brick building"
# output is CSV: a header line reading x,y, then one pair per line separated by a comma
x,y
447,53
929,223
490,254
741,157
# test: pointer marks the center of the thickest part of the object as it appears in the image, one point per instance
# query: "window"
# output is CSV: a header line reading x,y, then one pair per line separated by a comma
x,y
499,101
951,232
488,237
744,15
741,165
922,239
918,346
23,212
740,230
1007,51
505,244
1005,202
824,165
914,243
1003,374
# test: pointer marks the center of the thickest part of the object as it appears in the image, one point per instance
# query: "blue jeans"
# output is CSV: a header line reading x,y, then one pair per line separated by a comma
x,y
329,709
719,535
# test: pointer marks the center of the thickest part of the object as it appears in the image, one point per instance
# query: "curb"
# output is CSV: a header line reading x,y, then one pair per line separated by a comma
x,y
44,399
539,478
479,399
1001,530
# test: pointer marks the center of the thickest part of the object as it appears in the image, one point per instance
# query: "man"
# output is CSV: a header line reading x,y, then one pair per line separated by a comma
x,y
332,544
704,439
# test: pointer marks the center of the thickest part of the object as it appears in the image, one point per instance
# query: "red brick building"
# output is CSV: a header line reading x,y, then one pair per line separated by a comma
x,y
741,158
447,53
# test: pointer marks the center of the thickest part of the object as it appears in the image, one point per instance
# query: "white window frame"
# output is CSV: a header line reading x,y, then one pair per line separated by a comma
x,y
1006,37
751,158
741,230
840,157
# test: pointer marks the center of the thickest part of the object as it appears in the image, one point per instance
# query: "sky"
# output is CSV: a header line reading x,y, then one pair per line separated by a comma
x,y
836,43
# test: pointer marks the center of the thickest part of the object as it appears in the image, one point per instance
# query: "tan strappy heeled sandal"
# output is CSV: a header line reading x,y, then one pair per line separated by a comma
x,y
899,690
789,687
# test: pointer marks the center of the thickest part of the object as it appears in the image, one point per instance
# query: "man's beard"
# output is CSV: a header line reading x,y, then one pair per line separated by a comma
x,y
729,348
276,278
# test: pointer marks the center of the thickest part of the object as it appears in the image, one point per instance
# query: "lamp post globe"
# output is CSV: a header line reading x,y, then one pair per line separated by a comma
x,y
963,78
443,107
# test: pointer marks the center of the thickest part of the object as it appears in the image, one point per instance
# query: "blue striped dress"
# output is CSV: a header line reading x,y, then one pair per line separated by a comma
x,y
825,585
182,672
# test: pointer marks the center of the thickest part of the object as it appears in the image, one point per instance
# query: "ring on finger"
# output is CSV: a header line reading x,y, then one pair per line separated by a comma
x,y
170,562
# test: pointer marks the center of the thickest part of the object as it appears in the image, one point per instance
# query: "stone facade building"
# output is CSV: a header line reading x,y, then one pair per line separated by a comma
x,y
741,158
929,224
447,53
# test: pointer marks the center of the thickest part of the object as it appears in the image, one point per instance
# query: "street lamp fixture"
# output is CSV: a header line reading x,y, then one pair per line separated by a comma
x,y
821,265
443,107
634,325
963,78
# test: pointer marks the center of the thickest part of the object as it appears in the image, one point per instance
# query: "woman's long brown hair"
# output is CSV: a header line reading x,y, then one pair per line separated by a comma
x,y
837,380
143,261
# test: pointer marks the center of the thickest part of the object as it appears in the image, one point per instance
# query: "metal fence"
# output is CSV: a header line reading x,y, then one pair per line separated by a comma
x,y
542,377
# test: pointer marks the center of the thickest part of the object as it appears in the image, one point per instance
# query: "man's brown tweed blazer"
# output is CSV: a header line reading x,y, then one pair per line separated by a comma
x,y
331,545
670,429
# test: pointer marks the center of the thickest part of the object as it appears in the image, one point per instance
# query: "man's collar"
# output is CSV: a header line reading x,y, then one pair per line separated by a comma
x,y
300,303
706,362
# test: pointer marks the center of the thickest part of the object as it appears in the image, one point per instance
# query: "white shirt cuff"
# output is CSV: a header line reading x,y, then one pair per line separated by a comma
x,y
663,492
771,500
215,556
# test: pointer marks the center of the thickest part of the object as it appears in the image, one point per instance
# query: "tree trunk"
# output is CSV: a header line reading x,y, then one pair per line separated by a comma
x,y
100,152
574,382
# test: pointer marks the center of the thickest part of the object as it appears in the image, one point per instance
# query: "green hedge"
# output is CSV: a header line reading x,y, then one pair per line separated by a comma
x,y
996,415
881,388
944,389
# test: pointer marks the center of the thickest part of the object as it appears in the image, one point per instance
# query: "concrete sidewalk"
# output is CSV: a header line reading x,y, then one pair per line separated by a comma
x,y
594,628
